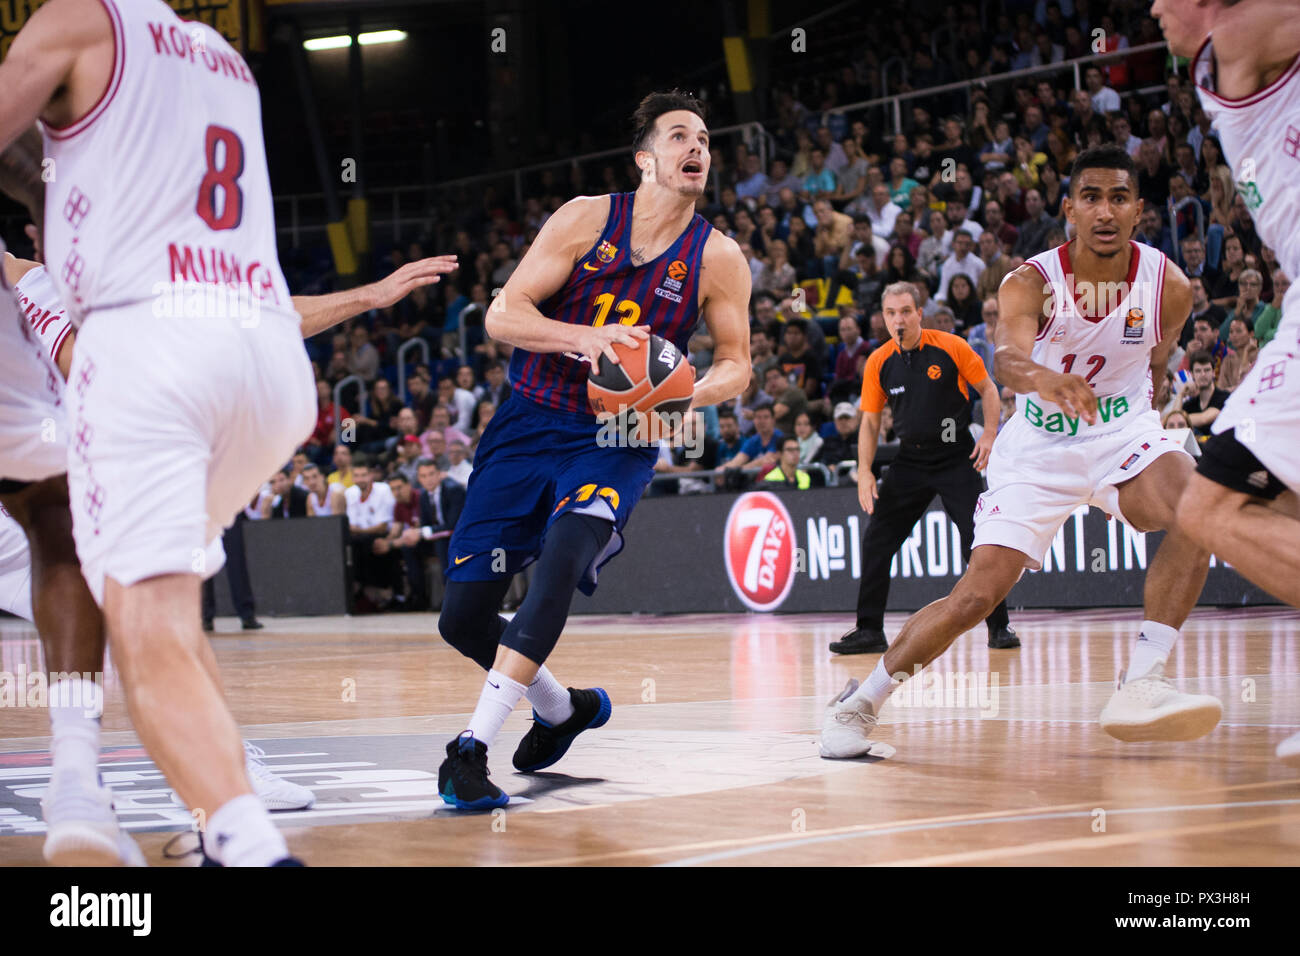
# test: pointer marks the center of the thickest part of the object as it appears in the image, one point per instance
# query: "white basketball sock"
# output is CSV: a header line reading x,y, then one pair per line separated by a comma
x,y
75,706
550,698
500,694
1152,647
241,833
878,686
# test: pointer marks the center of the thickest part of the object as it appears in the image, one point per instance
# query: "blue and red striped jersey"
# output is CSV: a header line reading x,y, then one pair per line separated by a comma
x,y
606,286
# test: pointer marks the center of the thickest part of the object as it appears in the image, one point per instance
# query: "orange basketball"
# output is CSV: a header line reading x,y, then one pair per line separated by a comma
x,y
649,382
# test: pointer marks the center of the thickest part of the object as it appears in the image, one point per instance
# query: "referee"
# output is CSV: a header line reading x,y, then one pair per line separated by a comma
x,y
925,376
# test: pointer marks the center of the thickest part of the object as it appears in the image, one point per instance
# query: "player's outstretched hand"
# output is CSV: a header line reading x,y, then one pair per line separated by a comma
x,y
1073,394
394,288
867,493
599,340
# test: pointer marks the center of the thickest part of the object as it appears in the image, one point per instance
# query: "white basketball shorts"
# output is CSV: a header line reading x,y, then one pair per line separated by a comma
x,y
15,569
1035,483
33,426
176,424
1264,409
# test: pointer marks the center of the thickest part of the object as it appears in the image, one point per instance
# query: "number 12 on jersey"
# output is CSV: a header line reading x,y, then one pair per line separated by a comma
x,y
1096,361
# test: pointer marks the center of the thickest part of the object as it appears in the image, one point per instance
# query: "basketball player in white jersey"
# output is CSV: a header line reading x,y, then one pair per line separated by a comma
x,y
1083,326
1242,500
37,554
48,325
38,300
154,127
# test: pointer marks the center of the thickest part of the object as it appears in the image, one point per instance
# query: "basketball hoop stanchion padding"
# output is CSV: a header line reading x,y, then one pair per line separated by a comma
x,y
298,566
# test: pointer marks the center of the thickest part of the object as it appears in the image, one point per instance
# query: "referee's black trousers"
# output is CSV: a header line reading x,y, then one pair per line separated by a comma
x,y
905,493
236,570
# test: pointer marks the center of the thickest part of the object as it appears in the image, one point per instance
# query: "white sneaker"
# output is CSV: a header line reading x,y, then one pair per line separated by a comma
x,y
275,793
1151,708
1288,751
847,725
81,826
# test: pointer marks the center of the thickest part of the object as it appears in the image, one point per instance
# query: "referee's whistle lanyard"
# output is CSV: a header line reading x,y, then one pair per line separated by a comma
x,y
907,355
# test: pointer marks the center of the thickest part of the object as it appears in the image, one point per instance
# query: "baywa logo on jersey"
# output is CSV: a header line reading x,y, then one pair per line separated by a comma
x,y
1249,191
1135,324
759,550
606,251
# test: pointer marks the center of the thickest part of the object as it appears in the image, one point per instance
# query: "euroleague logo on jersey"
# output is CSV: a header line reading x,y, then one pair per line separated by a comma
x,y
672,282
758,549
1134,324
934,372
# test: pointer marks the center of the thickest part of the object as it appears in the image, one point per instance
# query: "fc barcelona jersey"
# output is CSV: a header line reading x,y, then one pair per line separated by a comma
x,y
606,286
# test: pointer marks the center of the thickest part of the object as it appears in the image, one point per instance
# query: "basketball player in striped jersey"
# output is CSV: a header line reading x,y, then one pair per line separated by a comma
x,y
1084,328
1242,500
177,419
603,270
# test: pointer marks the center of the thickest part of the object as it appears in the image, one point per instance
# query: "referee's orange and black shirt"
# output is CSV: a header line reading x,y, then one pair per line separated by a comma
x,y
928,391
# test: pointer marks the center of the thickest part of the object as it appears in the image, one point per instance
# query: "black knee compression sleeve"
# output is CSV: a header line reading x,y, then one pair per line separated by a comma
x,y
572,544
471,619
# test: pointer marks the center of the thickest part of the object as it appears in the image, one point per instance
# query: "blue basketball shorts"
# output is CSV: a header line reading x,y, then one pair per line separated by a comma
x,y
534,464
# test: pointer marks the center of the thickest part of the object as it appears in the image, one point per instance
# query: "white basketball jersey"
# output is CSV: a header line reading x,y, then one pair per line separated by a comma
x,y
39,300
1104,334
163,185
1260,135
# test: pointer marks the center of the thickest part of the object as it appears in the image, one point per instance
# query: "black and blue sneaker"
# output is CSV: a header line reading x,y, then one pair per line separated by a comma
x,y
463,777
544,745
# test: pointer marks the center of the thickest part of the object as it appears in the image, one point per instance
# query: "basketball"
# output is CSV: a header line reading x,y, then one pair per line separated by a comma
x,y
648,383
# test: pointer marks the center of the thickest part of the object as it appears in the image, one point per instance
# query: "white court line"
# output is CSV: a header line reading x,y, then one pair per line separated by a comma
x,y
913,828
341,727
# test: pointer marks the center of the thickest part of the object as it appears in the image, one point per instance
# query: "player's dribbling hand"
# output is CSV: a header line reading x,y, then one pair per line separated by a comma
x,y
867,493
599,340
1073,394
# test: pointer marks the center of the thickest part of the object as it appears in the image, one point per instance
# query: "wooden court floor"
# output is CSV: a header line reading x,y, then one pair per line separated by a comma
x,y
710,757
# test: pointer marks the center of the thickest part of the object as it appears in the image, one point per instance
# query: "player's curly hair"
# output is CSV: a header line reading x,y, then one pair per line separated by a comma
x,y
655,105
